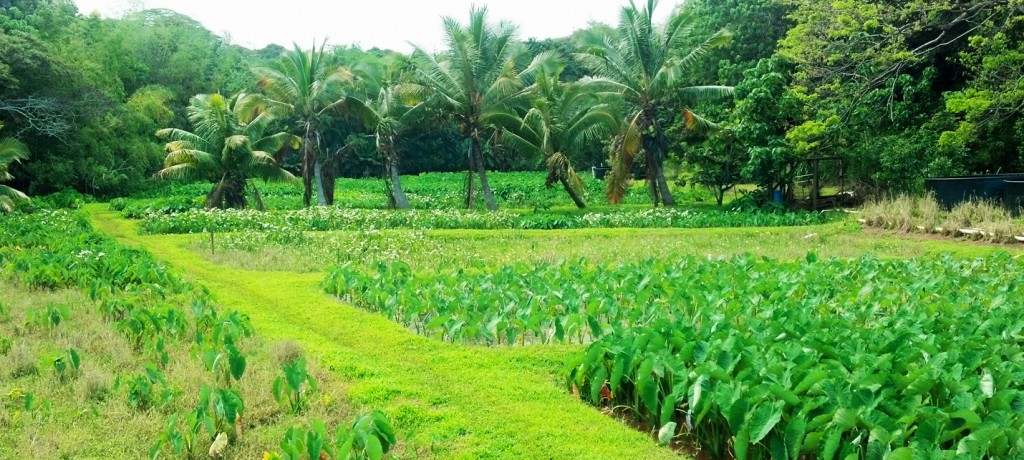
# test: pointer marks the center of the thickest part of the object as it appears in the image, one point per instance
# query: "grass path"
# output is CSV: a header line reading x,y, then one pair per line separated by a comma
x,y
447,400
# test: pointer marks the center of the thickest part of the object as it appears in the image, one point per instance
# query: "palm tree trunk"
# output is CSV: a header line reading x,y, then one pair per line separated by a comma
x,y
492,205
572,192
307,171
398,196
663,190
318,174
256,195
216,196
659,166
470,195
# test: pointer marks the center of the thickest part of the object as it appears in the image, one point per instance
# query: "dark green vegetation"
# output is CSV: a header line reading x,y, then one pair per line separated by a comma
x,y
760,356
772,359
725,342
898,91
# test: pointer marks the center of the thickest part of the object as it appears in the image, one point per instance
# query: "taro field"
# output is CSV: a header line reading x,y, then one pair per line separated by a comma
x,y
539,331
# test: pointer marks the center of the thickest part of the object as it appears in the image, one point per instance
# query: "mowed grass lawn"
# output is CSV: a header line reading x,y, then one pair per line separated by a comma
x,y
449,400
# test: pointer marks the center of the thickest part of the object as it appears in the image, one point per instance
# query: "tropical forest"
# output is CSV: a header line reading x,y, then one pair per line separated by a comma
x,y
711,229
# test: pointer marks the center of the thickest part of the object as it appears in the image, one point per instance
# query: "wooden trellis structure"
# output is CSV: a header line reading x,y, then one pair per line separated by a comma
x,y
821,183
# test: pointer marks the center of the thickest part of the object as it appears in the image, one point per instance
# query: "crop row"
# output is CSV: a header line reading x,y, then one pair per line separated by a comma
x,y
425,191
157,312
333,218
756,358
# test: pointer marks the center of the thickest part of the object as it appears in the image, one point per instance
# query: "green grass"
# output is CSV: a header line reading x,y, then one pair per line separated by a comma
x,y
422,249
443,399
74,417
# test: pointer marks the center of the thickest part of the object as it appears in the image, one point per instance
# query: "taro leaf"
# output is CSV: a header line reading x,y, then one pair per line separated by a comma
x,y
279,389
1017,404
794,435
831,446
597,383
844,419
666,433
668,407
978,441
384,429
903,453
988,385
648,386
777,447
763,419
374,450
928,432
236,360
76,361
813,376
737,414
617,372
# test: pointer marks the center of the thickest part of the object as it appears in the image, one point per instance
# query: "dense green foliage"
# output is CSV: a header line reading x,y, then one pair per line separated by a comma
x,y
899,91
829,357
286,223
863,357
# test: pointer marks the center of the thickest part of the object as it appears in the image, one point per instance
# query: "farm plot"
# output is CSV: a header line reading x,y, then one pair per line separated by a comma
x,y
757,358
333,218
94,333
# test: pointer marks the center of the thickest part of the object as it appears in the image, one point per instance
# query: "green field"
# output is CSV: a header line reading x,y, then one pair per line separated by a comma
x,y
512,343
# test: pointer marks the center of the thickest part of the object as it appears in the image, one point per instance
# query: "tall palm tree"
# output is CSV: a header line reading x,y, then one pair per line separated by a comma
x,y
303,83
647,65
11,150
565,117
228,146
385,106
475,81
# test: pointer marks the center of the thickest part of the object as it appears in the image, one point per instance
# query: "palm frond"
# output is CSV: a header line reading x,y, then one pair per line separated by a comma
x,y
697,123
721,38
705,92
12,150
626,147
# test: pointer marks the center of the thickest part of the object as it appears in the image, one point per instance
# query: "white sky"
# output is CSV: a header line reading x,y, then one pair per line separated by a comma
x,y
386,24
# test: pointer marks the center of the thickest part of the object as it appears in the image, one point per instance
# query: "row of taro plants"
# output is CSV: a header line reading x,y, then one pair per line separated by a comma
x,y
156,310
334,218
756,358
425,191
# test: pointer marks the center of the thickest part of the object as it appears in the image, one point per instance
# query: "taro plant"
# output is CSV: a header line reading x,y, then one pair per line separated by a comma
x,y
293,385
218,415
142,391
370,437
225,363
50,317
67,365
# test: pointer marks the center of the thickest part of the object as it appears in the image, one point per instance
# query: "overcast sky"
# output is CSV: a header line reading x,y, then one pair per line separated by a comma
x,y
388,24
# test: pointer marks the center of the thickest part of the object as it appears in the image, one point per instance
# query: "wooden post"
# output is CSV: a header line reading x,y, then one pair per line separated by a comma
x,y
213,249
814,185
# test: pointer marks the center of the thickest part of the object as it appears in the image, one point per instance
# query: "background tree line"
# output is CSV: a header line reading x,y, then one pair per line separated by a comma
x,y
901,90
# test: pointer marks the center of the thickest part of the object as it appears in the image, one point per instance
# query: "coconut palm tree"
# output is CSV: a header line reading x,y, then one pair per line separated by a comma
x,y
646,65
11,150
303,83
565,117
385,106
227,146
475,81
